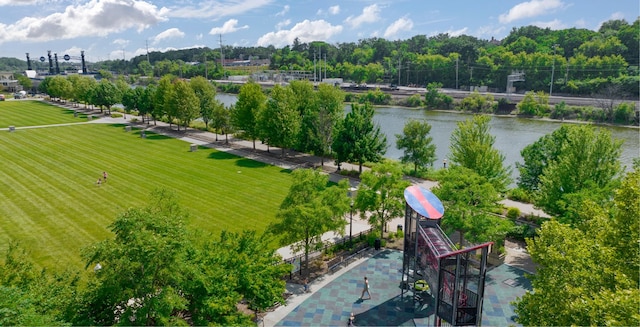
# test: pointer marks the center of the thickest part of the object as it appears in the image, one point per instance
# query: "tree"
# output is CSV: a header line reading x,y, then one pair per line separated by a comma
x,y
161,98
470,200
251,100
105,94
32,297
588,165
83,87
310,209
588,275
279,122
155,271
381,194
221,120
325,121
146,103
304,101
255,265
417,145
142,266
132,97
206,94
185,101
537,157
359,139
472,147
24,81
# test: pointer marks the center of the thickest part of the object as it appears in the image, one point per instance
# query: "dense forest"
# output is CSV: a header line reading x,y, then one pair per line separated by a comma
x,y
576,61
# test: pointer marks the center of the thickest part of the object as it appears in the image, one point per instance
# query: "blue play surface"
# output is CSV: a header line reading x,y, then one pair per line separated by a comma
x,y
332,304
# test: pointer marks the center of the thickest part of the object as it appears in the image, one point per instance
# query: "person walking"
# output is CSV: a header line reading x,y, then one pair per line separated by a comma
x,y
365,289
104,176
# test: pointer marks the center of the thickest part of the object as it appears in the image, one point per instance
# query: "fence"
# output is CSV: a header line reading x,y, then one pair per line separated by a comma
x,y
297,260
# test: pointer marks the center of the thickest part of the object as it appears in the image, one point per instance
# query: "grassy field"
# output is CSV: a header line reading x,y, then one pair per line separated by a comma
x,y
49,201
33,113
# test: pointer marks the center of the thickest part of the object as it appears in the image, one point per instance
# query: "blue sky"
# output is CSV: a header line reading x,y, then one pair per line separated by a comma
x,y
116,29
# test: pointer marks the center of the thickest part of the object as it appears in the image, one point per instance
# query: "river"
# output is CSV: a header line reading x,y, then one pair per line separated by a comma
x,y
512,134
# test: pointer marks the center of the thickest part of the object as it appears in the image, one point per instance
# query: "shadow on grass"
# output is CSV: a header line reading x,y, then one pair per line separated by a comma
x,y
249,163
221,155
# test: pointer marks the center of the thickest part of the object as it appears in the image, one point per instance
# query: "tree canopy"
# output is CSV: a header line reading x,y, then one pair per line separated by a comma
x,y
381,194
359,139
472,148
588,274
311,208
416,142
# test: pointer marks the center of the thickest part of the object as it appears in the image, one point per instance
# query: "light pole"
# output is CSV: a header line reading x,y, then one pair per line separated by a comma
x,y
352,195
351,225
553,68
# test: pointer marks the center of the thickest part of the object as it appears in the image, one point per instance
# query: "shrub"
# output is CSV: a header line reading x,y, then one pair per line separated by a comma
x,y
400,234
375,97
513,213
520,195
116,115
413,101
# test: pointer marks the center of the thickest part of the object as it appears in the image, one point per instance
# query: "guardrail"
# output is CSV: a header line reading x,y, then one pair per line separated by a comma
x,y
297,260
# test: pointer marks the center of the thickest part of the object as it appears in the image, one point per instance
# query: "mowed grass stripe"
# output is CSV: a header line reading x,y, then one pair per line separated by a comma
x,y
49,183
219,190
34,113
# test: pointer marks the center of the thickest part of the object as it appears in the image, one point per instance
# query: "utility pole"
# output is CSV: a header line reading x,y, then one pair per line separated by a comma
x,y
221,55
553,68
325,66
147,41
457,60
399,63
408,64
314,65
206,70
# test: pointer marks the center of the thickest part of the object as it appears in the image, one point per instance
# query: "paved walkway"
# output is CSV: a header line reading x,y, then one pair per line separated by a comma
x,y
333,297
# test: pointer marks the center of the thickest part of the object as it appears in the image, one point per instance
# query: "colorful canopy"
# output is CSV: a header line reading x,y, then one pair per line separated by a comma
x,y
424,202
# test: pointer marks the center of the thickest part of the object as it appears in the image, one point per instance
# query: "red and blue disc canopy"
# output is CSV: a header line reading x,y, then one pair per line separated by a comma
x,y
424,202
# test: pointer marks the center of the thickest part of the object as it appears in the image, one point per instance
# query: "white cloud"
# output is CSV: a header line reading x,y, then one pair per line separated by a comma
x,y
229,26
369,14
18,2
452,32
90,19
121,42
581,23
530,9
334,10
218,8
283,23
284,10
305,31
554,24
490,31
401,25
614,16
199,36
171,33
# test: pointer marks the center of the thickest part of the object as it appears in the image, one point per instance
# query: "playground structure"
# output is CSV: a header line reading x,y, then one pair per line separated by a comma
x,y
433,266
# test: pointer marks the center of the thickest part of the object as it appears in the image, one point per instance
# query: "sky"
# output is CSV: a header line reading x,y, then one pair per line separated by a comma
x,y
122,29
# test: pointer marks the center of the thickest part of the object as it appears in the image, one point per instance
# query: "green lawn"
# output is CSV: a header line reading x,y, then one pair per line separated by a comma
x,y
50,203
33,113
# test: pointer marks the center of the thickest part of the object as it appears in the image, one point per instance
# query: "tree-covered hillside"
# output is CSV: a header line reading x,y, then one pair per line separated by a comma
x,y
569,61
